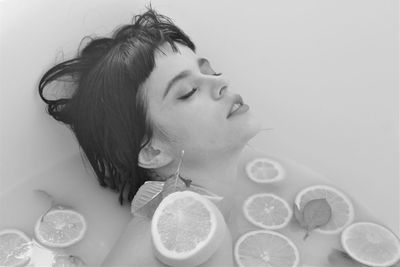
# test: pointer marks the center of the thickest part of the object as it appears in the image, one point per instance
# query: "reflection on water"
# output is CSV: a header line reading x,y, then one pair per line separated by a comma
x,y
75,186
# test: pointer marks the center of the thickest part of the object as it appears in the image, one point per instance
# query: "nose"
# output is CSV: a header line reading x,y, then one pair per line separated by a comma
x,y
219,87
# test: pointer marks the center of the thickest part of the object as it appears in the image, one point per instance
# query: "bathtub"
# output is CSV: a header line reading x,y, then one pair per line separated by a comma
x,y
332,100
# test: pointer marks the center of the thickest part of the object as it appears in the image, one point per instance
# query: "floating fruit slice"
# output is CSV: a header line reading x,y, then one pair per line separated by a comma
x,y
264,170
267,211
371,244
186,229
341,206
15,248
266,248
60,228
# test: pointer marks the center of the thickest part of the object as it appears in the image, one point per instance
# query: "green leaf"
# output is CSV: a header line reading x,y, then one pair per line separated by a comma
x,y
298,216
187,181
316,213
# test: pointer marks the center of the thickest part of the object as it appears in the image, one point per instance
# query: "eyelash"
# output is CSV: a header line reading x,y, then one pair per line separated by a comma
x,y
195,89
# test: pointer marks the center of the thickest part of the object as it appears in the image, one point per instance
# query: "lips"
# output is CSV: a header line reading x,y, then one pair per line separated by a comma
x,y
237,103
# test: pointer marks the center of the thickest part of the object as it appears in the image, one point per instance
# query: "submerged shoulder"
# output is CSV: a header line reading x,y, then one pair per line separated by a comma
x,y
298,177
133,248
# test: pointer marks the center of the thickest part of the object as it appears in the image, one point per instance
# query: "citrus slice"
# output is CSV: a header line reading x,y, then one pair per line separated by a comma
x,y
264,170
341,206
60,228
266,248
371,244
15,248
267,211
186,229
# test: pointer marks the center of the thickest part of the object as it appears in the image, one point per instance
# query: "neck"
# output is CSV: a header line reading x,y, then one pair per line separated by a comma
x,y
217,174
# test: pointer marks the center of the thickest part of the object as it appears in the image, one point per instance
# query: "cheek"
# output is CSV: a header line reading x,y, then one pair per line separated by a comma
x,y
200,126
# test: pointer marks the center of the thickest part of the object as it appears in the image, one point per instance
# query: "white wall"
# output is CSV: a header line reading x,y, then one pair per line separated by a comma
x,y
323,74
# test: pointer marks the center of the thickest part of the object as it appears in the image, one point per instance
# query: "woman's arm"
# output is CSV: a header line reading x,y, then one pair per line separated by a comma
x,y
134,248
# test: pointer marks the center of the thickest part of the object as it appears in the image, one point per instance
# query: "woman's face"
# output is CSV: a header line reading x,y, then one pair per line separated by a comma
x,y
190,101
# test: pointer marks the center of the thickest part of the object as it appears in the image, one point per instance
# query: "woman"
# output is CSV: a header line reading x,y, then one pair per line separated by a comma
x,y
141,97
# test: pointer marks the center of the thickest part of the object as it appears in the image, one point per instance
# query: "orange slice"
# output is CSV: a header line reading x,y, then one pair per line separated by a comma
x,y
60,228
264,170
186,229
266,248
267,211
15,248
342,207
371,244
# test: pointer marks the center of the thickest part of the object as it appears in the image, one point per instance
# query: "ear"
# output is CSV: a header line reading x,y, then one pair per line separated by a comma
x,y
151,158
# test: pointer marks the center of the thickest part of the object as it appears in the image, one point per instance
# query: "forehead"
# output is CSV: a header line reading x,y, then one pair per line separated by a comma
x,y
168,63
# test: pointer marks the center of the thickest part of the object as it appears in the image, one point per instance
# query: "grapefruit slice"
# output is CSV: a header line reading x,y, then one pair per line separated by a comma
x,y
186,229
265,170
371,244
15,248
267,211
341,206
266,248
60,228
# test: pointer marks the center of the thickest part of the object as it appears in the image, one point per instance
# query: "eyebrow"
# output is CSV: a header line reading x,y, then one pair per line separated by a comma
x,y
182,75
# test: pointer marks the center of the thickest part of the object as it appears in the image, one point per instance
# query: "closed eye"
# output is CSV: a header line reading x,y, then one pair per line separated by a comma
x,y
188,94
195,89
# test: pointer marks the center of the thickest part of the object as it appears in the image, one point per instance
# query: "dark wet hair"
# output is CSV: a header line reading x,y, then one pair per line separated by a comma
x,y
106,110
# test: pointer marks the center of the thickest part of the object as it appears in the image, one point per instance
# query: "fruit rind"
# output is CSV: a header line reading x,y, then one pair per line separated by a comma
x,y
22,235
336,191
202,253
281,171
345,234
65,244
246,235
272,227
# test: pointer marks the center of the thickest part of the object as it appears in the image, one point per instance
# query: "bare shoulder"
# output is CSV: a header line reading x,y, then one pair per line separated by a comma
x,y
299,176
316,249
133,248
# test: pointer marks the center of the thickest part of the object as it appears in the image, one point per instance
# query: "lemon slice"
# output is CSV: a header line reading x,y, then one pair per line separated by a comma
x,y
341,206
266,248
186,229
267,211
60,228
15,248
264,170
371,244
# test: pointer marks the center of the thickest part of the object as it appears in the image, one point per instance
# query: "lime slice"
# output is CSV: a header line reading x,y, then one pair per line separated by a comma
x,y
60,228
341,206
371,244
15,248
267,211
264,170
266,248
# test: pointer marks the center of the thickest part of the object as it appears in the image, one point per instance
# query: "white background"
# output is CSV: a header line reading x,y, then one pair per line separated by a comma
x,y
323,74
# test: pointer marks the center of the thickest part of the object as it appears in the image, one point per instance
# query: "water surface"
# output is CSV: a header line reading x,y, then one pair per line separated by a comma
x,y
74,185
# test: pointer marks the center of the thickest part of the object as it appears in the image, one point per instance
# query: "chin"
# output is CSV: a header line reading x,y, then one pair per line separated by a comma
x,y
249,130
253,127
